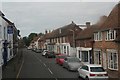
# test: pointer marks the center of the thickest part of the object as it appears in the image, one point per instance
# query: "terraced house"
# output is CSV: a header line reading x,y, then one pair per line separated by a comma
x,y
62,40
8,32
107,43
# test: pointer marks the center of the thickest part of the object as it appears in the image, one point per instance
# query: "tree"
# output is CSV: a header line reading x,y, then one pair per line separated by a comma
x,y
25,40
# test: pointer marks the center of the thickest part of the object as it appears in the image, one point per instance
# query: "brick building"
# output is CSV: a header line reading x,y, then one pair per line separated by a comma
x,y
62,40
107,43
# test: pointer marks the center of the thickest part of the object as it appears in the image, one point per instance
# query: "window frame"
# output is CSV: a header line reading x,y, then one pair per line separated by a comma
x,y
98,56
98,36
111,58
110,35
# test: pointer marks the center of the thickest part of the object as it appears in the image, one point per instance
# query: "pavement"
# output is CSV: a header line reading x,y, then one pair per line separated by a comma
x,y
12,67
34,66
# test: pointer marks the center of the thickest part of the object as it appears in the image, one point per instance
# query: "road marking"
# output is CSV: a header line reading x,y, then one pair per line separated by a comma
x,y
38,58
20,69
44,64
56,79
50,71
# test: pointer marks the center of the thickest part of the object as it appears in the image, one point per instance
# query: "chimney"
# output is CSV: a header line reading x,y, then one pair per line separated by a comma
x,y
88,24
46,31
49,31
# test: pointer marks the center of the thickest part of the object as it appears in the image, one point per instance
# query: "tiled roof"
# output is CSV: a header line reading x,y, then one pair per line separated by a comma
x,y
87,33
63,31
113,19
1,14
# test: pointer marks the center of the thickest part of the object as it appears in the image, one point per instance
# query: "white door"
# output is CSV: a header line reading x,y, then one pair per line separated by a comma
x,y
104,60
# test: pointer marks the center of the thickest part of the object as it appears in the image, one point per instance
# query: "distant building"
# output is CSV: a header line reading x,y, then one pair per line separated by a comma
x,y
62,40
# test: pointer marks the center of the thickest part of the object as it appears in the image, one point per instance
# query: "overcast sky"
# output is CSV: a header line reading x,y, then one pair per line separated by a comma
x,y
39,16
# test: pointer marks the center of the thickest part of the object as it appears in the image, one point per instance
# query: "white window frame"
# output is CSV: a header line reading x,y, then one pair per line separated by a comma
x,y
60,39
57,40
63,39
99,52
110,35
111,53
98,36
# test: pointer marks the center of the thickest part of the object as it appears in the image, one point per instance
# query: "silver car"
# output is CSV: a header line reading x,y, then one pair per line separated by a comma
x,y
72,63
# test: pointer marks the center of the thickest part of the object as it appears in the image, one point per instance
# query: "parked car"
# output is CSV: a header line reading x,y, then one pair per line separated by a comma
x,y
44,52
34,49
72,63
92,71
50,55
28,48
60,59
38,50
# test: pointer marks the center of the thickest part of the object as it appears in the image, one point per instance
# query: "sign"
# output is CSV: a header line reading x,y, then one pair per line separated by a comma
x,y
10,30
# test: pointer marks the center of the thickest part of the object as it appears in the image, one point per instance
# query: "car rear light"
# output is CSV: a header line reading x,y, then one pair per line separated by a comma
x,y
92,74
106,74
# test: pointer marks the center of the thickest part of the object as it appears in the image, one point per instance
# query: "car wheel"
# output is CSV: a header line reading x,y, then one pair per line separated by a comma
x,y
86,78
63,66
68,68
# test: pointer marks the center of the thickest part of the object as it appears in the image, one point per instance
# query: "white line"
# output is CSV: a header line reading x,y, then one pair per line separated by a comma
x,y
56,79
38,58
50,71
20,69
44,64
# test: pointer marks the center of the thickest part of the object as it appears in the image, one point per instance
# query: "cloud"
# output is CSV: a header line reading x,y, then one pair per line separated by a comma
x,y
38,16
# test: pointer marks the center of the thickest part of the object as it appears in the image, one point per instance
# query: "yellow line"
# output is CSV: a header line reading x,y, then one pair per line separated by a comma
x,y
20,69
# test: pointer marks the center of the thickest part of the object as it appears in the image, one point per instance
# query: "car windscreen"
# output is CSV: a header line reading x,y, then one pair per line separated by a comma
x,y
97,69
73,60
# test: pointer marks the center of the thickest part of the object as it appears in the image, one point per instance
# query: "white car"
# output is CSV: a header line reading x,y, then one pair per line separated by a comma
x,y
44,52
92,71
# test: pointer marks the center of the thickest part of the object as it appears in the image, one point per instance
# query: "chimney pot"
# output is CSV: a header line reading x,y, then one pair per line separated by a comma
x,y
46,31
88,24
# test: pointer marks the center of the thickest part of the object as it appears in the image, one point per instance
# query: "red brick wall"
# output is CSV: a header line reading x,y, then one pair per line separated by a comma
x,y
84,43
103,45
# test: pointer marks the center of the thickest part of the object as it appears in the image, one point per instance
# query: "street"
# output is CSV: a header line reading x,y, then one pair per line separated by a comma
x,y
34,65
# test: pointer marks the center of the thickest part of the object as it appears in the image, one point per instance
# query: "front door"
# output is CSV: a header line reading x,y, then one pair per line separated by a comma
x,y
85,56
104,61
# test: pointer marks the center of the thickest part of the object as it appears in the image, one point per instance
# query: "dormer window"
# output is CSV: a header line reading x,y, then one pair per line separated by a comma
x,y
111,35
98,36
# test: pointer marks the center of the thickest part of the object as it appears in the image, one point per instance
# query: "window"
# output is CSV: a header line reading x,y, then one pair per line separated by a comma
x,y
97,69
63,39
85,56
57,40
97,55
110,35
98,36
60,39
85,68
65,49
112,59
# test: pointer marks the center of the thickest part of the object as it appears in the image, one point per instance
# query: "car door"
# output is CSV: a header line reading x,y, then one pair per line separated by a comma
x,y
84,70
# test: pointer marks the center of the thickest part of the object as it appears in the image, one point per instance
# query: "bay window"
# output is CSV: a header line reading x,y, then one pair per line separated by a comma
x,y
112,59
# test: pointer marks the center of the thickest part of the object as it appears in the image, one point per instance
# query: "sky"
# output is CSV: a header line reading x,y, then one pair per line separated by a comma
x,y
40,16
